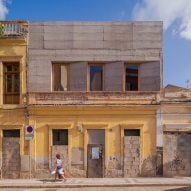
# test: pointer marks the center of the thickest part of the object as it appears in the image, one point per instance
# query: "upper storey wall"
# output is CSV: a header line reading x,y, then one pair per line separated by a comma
x,y
120,41
92,42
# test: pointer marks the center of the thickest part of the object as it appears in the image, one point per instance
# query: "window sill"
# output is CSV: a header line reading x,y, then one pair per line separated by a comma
x,y
11,106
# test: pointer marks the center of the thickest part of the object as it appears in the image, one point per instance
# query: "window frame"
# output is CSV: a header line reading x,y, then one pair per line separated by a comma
x,y
138,80
59,131
89,76
12,73
53,74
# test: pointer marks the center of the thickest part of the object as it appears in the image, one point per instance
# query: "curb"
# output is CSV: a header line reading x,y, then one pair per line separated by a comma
x,y
62,185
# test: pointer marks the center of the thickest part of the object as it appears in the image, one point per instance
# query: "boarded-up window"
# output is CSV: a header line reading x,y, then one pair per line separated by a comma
x,y
131,78
60,77
96,77
60,137
11,76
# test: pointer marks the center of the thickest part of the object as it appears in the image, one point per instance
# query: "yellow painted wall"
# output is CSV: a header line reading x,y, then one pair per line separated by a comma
x,y
13,116
13,50
113,120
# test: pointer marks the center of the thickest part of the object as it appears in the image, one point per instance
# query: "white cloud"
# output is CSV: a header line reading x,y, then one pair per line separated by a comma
x,y
168,11
3,9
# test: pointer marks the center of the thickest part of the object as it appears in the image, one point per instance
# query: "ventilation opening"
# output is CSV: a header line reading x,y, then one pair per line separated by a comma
x,y
132,132
11,133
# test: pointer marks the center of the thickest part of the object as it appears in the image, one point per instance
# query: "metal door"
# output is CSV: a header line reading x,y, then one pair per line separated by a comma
x,y
95,161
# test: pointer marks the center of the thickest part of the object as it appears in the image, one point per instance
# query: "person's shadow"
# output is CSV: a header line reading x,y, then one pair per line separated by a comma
x,y
180,189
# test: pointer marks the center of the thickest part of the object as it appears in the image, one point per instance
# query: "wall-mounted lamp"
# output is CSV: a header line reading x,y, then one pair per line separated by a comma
x,y
79,128
110,129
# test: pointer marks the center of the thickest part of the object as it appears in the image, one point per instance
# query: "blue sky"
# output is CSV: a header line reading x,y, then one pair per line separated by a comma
x,y
175,14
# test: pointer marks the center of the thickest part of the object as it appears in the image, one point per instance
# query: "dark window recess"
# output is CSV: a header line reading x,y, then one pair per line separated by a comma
x,y
96,77
60,77
11,81
11,133
131,78
60,137
132,132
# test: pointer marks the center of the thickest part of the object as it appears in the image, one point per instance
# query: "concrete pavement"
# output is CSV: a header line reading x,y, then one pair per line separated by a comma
x,y
95,182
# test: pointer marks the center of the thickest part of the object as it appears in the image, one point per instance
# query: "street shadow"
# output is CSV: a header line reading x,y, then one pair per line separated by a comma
x,y
180,189
50,180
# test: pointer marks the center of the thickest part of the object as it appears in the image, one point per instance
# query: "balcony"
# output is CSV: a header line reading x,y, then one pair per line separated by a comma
x,y
13,29
93,98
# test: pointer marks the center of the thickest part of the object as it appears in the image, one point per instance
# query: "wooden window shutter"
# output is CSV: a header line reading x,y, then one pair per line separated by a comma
x,y
114,76
150,76
78,76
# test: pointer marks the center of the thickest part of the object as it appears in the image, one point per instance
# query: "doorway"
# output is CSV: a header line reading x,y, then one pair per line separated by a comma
x,y
95,153
11,154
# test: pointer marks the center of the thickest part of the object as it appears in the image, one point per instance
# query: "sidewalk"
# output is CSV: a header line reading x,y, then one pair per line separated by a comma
x,y
94,182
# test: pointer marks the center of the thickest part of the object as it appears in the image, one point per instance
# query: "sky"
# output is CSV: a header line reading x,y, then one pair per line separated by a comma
x,y
175,14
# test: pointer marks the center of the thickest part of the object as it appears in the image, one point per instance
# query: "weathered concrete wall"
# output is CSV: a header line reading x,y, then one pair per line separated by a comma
x,y
177,154
77,162
11,158
63,151
176,135
90,42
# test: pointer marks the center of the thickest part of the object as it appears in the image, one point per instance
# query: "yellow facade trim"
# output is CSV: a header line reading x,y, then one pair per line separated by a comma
x,y
68,126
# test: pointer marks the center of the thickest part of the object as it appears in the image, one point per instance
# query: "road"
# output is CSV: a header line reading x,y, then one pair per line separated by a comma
x,y
147,188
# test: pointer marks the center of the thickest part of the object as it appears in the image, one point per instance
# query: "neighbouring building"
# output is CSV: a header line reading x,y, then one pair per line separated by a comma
x,y
13,53
93,96
176,128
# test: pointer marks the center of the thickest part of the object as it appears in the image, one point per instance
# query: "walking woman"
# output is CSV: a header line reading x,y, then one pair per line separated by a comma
x,y
59,168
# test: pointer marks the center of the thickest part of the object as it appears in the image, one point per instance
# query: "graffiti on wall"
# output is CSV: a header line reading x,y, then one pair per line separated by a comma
x,y
177,164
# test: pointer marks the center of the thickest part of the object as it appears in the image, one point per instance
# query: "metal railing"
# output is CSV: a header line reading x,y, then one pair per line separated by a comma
x,y
13,28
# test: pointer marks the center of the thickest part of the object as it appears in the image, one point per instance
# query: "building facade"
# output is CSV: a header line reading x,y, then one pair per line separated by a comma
x,y
176,127
13,55
92,92
93,96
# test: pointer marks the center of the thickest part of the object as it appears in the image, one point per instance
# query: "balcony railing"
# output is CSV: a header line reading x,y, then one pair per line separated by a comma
x,y
93,98
13,28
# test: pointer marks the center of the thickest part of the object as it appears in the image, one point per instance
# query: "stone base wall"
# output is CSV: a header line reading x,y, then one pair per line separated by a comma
x,y
63,151
148,166
77,171
114,168
131,156
177,154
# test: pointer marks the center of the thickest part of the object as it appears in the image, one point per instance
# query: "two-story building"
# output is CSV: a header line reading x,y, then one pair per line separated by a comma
x,y
93,92
13,55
